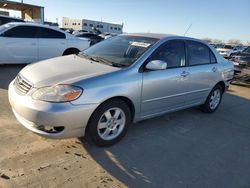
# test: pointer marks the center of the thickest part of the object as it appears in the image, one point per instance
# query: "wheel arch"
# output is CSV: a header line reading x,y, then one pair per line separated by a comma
x,y
222,85
70,50
128,101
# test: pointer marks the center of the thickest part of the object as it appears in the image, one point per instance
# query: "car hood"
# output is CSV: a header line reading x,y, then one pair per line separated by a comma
x,y
63,70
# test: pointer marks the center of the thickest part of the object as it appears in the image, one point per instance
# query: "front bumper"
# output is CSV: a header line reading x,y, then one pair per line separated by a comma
x,y
33,114
238,66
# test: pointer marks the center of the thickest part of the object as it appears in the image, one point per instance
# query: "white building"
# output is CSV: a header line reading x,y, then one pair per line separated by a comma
x,y
91,25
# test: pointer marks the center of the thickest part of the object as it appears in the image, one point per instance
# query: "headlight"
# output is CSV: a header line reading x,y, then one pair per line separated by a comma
x,y
57,93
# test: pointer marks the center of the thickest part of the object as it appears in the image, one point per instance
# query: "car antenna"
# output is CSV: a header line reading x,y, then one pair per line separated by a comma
x,y
188,29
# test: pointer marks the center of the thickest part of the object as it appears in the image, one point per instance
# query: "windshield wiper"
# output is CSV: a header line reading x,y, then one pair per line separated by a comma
x,y
101,60
87,57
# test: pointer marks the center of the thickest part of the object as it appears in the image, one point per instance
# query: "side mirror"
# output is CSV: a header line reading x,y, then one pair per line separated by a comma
x,y
156,65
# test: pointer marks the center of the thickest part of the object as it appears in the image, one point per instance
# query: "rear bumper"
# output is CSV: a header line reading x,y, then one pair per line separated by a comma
x,y
33,114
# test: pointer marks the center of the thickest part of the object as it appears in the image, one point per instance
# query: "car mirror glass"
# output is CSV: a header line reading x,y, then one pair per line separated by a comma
x,y
156,65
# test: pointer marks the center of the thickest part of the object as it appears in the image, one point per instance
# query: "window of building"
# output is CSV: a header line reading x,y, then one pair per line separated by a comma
x,y
85,24
90,25
115,28
119,28
111,28
101,26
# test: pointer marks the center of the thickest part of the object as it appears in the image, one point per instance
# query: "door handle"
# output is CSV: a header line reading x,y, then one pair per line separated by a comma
x,y
185,74
214,69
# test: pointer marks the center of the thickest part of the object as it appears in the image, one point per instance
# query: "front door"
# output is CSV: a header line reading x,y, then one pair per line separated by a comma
x,y
165,90
20,45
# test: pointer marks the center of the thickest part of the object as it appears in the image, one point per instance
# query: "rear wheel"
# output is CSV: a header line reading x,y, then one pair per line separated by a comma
x,y
109,123
213,100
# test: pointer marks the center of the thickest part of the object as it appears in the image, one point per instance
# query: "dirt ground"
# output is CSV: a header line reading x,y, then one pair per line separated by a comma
x,y
182,149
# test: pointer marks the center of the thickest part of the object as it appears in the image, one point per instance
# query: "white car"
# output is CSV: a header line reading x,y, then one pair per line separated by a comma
x,y
22,43
228,50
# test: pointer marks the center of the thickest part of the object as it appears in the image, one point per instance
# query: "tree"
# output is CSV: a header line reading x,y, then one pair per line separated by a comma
x,y
218,41
234,41
248,43
208,40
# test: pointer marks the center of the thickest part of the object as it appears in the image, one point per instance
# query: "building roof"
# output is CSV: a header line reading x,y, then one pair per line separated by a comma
x,y
17,5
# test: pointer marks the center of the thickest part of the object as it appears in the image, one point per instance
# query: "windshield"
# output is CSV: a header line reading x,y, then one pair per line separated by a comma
x,y
228,47
247,50
3,27
120,51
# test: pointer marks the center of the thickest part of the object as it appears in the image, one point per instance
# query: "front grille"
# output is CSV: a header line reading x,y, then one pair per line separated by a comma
x,y
22,85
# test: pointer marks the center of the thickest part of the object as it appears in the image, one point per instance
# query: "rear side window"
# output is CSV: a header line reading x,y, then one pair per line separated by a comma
x,y
172,52
22,32
50,34
200,54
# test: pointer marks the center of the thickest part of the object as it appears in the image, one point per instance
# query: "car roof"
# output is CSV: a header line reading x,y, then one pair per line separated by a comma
x,y
3,16
35,24
151,35
162,36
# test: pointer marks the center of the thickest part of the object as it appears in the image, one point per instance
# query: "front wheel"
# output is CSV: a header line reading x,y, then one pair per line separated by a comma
x,y
213,100
109,123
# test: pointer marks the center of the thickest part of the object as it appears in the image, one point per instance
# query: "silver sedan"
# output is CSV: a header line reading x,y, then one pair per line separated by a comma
x,y
124,79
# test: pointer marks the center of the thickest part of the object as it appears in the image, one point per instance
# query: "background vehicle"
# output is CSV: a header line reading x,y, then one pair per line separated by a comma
x,y
241,59
29,42
77,32
91,36
228,50
7,19
107,35
132,77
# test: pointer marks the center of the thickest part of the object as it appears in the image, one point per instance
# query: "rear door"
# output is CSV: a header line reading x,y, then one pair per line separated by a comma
x,y
20,45
203,72
52,43
165,90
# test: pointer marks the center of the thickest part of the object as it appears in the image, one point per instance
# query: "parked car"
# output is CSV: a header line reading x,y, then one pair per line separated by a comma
x,y
92,37
7,19
241,59
77,32
219,45
228,50
107,35
28,42
124,79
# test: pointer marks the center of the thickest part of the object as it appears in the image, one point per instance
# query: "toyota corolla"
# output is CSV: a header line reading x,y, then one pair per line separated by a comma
x,y
103,89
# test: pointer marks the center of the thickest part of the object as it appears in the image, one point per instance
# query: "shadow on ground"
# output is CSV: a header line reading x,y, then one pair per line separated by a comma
x,y
8,73
184,149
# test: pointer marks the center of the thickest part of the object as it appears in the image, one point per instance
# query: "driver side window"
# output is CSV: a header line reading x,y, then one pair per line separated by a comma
x,y
172,52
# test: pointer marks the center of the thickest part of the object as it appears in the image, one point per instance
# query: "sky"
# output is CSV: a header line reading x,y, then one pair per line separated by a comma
x,y
219,19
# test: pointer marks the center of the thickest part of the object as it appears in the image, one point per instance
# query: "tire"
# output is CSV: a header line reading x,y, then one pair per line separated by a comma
x,y
104,129
209,106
